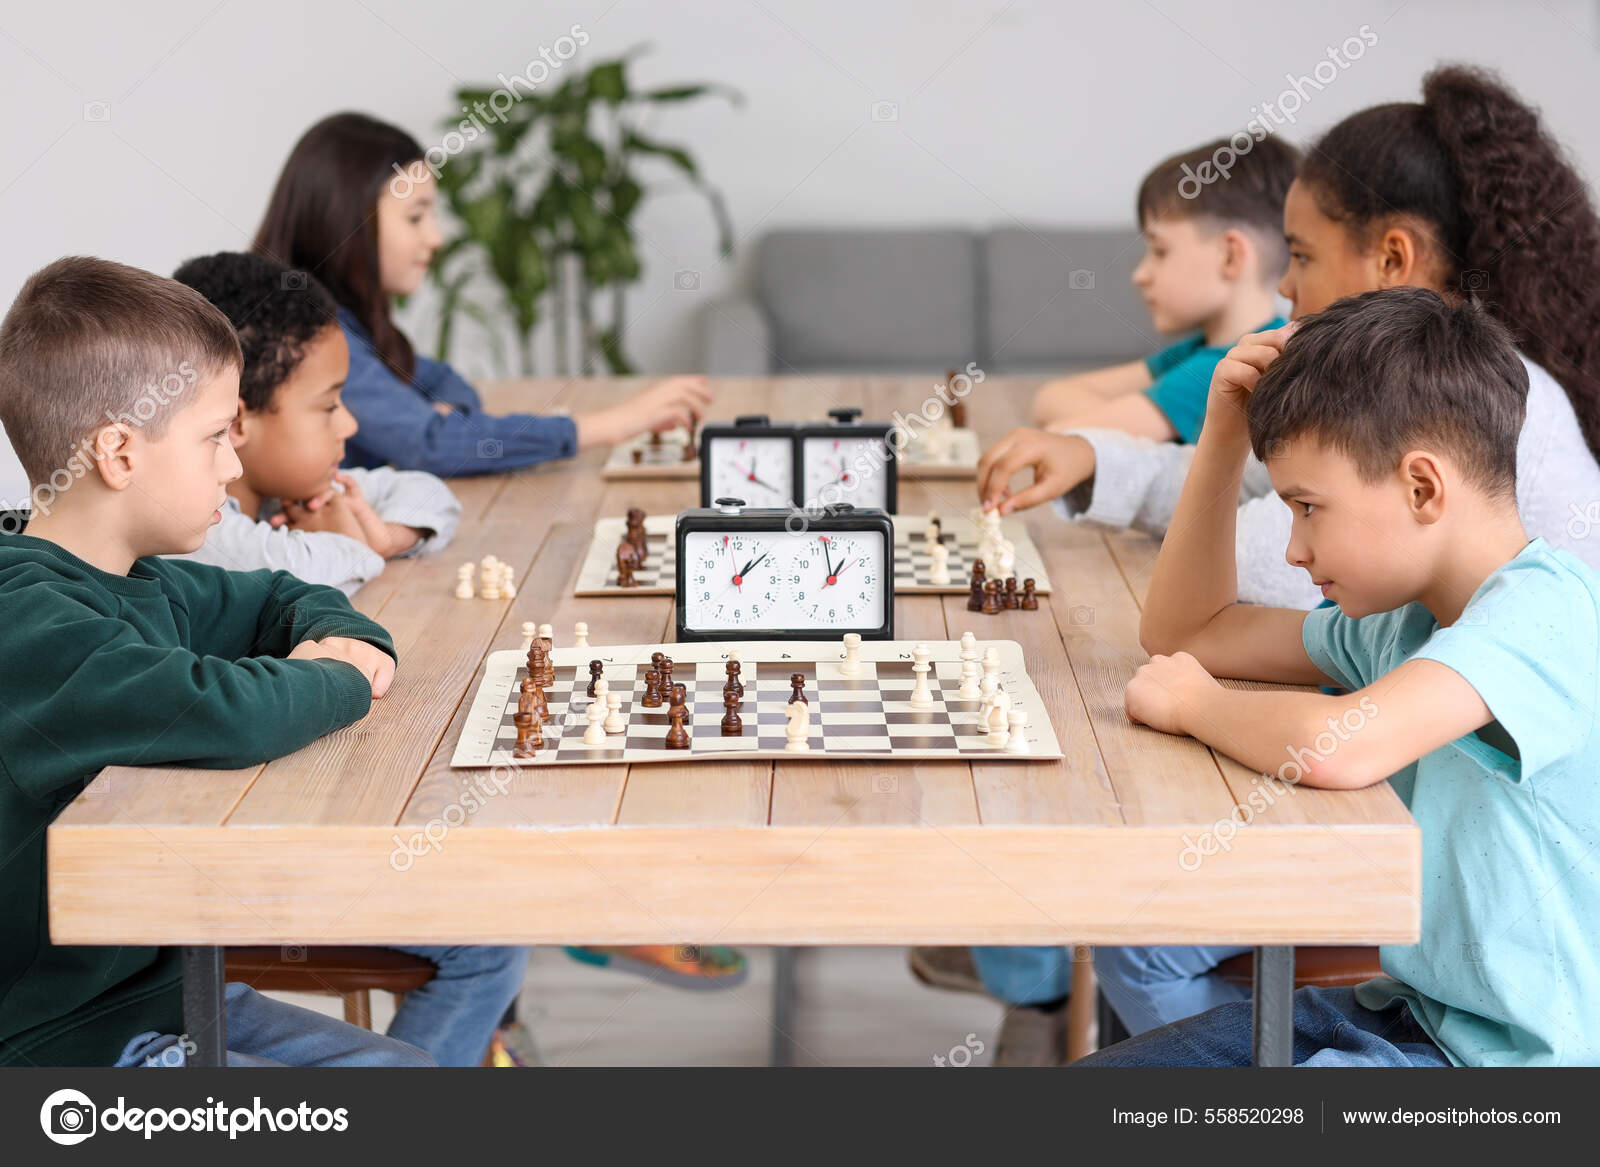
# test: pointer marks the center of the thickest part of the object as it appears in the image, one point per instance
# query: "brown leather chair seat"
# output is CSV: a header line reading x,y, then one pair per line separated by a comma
x,y
350,972
1337,967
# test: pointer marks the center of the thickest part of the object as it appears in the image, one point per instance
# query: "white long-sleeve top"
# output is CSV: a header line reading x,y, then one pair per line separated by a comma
x,y
409,497
1137,481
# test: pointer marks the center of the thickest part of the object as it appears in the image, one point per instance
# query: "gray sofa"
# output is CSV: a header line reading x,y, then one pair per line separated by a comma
x,y
1016,300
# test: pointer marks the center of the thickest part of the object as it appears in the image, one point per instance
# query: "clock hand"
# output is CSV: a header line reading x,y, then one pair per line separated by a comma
x,y
738,577
826,558
835,573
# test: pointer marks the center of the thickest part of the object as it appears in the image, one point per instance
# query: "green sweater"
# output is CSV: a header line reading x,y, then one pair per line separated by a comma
x,y
175,663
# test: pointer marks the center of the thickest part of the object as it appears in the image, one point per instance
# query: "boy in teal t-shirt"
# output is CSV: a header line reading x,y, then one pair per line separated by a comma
x,y
1181,379
1469,656
1214,253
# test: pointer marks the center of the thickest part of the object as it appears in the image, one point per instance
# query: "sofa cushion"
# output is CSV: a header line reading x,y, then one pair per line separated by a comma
x,y
870,299
1058,297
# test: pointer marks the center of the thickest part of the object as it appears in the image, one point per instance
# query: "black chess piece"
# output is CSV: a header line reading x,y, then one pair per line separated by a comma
x,y
731,725
797,682
991,598
652,689
734,683
1009,599
980,573
1030,599
595,669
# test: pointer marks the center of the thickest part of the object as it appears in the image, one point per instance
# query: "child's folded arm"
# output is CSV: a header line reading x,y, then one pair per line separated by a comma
x,y
236,614
98,695
1342,742
415,499
327,558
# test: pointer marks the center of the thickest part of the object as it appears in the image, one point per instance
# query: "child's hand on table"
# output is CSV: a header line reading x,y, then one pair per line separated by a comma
x,y
1058,462
1163,691
375,664
668,404
387,539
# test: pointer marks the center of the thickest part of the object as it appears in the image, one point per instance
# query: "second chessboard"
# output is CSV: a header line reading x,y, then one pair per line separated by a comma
x,y
913,559
954,454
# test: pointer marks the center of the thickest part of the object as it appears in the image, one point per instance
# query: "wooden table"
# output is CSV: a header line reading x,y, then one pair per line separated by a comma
x,y
310,849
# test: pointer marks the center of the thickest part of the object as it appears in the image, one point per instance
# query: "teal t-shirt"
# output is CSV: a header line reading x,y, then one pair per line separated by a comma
x,y
1508,968
1182,373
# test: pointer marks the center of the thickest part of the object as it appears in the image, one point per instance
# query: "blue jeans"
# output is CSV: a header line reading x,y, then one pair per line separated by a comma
x,y
453,1017
1153,986
1330,1029
1024,974
264,1032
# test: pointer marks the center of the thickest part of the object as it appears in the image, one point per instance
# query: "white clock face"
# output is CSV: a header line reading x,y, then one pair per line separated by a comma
x,y
784,580
758,470
845,469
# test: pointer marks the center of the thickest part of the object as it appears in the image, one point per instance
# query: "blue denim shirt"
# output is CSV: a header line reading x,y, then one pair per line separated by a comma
x,y
400,427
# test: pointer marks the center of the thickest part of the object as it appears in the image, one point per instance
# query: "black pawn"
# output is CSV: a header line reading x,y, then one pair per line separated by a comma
x,y
595,669
734,685
975,598
731,725
797,682
652,690
1030,599
1009,599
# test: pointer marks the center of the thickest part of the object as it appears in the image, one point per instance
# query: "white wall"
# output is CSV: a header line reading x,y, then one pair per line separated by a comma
x,y
1033,111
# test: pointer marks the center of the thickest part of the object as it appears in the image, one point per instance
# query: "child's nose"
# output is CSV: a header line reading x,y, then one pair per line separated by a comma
x,y
232,468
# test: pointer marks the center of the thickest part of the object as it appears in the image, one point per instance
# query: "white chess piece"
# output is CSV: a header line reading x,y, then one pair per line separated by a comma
x,y
464,575
615,722
931,533
595,734
529,631
939,570
851,666
987,688
1017,742
508,581
580,632
921,693
1006,557
999,710
490,588
798,732
969,668
991,664
547,632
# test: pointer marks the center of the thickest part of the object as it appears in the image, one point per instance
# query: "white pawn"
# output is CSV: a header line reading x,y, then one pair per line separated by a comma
x,y
851,667
1017,742
491,578
508,581
930,533
529,631
546,632
969,668
580,632
987,688
1006,556
464,575
921,693
939,570
798,732
595,734
615,722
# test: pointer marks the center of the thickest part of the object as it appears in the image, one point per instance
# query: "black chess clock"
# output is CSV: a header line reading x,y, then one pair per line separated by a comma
x,y
774,573
814,464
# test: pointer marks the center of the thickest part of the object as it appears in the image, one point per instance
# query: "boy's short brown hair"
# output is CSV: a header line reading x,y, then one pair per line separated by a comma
x,y
1378,374
88,342
1228,187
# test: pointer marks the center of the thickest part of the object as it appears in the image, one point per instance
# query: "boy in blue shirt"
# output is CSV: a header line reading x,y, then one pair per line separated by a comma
x,y
1214,253
1467,659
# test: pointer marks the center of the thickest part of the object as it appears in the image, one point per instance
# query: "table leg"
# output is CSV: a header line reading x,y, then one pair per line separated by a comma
x,y
1272,1012
205,1017
783,994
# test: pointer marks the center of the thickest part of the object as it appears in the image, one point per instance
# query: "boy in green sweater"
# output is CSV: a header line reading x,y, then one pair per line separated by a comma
x,y
118,388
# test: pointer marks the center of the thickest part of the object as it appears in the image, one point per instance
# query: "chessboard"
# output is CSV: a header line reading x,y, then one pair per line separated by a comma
x,y
868,715
955,455
912,562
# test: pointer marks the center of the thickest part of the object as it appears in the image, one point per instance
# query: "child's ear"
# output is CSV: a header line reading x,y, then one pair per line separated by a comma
x,y
1398,257
237,433
113,454
1237,254
1425,485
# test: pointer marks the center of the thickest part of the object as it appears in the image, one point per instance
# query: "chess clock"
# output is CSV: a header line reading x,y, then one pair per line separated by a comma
x,y
772,573
847,461
751,459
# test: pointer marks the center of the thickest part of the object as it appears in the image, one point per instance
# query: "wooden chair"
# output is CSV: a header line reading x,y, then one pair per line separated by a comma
x,y
348,972
1332,968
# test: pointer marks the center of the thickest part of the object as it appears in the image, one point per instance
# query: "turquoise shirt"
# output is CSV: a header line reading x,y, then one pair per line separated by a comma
x,y
1508,968
1182,375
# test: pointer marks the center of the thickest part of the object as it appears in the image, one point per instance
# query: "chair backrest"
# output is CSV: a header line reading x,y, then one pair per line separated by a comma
x,y
870,299
1061,299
